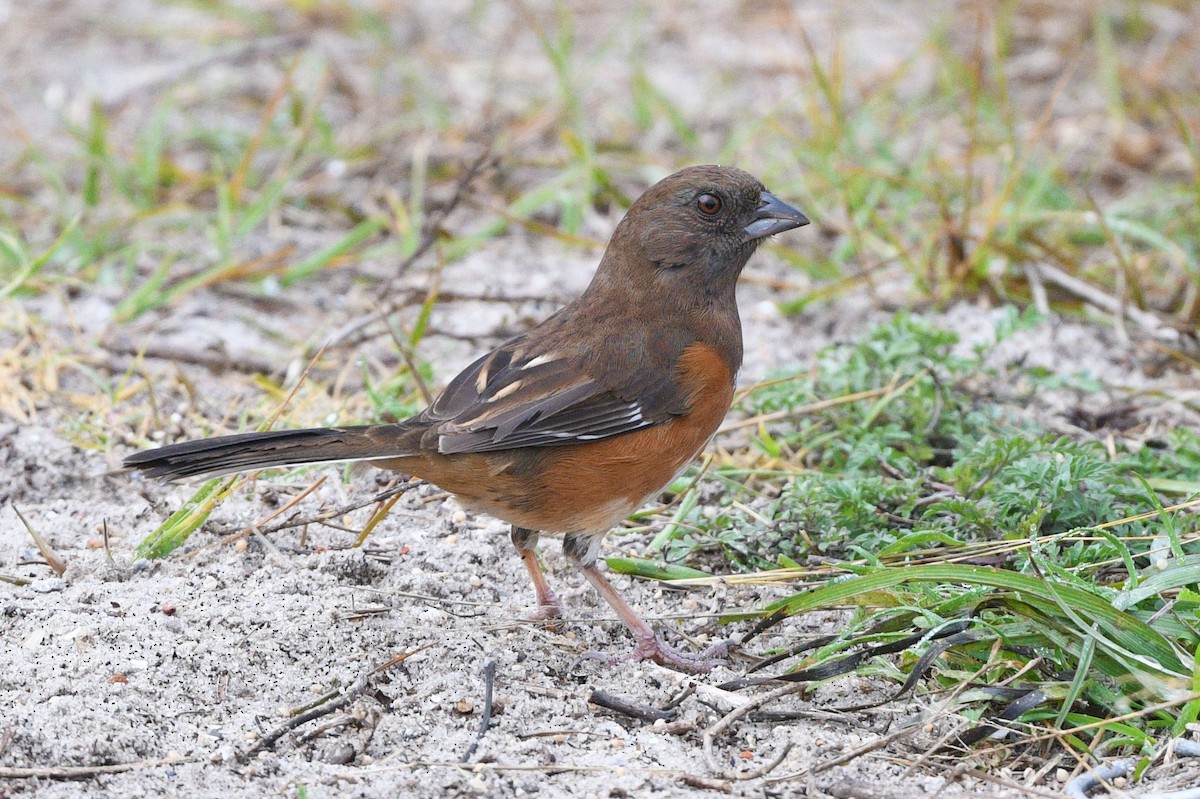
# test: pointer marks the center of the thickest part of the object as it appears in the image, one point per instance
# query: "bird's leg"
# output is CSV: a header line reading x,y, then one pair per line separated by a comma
x,y
526,543
583,549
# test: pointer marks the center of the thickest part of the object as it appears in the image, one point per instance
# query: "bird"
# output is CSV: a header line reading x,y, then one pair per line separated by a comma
x,y
571,426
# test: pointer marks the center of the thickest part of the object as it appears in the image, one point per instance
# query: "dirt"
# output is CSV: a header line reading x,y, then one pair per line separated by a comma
x,y
167,673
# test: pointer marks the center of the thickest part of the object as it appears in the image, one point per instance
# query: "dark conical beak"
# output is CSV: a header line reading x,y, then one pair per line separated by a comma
x,y
773,216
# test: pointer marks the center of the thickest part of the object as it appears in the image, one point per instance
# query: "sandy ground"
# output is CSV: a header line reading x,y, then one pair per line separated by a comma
x,y
197,657
168,673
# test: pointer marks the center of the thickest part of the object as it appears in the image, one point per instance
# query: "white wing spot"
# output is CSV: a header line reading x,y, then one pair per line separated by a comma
x,y
541,360
504,392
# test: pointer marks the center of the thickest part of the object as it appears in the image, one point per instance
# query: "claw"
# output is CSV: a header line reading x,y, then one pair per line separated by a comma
x,y
666,655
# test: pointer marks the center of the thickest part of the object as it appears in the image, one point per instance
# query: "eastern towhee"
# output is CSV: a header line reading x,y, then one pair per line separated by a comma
x,y
573,425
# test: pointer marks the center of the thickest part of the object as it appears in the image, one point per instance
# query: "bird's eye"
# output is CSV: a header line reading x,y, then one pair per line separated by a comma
x,y
708,204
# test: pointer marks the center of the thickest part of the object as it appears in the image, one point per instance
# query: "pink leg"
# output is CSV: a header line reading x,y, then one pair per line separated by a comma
x,y
525,541
649,647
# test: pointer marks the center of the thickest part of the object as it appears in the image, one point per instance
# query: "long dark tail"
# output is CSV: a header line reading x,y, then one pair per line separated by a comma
x,y
245,451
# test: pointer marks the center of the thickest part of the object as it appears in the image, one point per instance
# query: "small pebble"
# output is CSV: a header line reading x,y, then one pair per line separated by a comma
x,y
1062,775
48,585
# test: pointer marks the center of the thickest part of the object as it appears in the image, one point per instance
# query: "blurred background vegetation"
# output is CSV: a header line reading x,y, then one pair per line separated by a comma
x,y
316,171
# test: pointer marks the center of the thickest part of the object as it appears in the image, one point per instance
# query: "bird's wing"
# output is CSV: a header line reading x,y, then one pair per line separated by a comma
x,y
514,398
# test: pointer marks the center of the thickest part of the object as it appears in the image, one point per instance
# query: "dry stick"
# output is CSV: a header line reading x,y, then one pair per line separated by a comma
x,y
811,407
485,720
885,740
1089,293
625,707
348,696
1146,711
427,241
692,781
215,360
944,705
84,772
323,516
270,422
564,768
185,70
48,554
410,362
1007,783
712,732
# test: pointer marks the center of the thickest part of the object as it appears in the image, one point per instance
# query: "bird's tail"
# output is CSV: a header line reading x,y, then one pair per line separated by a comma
x,y
246,451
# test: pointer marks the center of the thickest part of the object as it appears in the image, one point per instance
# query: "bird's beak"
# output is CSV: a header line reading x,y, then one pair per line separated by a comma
x,y
773,216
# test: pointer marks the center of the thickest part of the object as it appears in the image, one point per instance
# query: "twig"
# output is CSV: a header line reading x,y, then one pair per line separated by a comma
x,y
557,768
801,410
485,720
407,354
680,697
1103,774
712,732
51,557
347,747
347,696
182,71
85,772
1037,290
323,516
867,748
427,239
719,698
692,781
1079,787
214,359
627,708
1089,293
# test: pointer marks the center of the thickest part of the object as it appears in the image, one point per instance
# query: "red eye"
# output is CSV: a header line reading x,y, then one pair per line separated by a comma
x,y
708,204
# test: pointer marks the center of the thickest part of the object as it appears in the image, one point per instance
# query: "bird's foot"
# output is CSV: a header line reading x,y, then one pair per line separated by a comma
x,y
549,613
651,648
